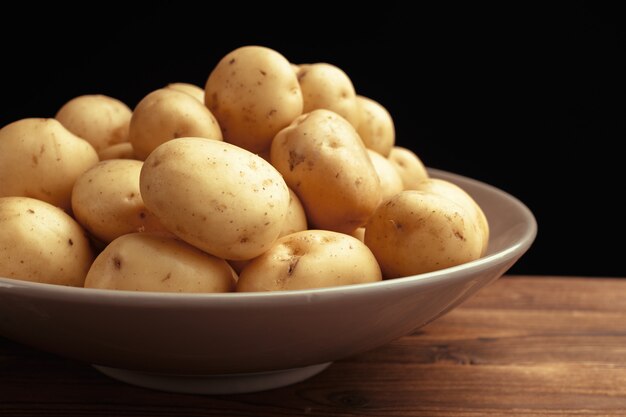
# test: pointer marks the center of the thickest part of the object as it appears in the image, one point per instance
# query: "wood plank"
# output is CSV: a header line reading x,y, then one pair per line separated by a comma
x,y
523,346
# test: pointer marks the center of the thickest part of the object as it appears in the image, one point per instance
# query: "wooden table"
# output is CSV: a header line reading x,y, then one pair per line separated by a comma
x,y
524,346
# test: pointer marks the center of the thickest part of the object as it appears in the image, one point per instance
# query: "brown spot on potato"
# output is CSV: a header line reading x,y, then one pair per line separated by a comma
x,y
459,235
70,242
231,62
293,263
218,206
168,276
263,73
156,163
295,159
35,160
117,263
31,211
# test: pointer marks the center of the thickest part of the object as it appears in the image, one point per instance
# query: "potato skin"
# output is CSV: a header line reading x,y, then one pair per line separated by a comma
x,y
150,262
40,158
325,86
215,196
106,201
191,89
254,93
118,151
409,166
376,126
167,114
295,221
310,259
416,232
455,193
324,162
41,243
390,180
100,120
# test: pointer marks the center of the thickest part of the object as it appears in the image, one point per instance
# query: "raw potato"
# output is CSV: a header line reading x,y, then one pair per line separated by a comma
x,y
254,93
119,151
40,158
193,90
167,114
296,217
215,196
310,259
41,243
106,200
359,233
149,262
417,232
375,126
324,162
390,181
458,195
324,86
100,120
294,222
409,166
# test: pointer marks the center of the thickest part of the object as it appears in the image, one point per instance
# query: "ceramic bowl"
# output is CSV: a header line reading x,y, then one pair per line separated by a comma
x,y
242,342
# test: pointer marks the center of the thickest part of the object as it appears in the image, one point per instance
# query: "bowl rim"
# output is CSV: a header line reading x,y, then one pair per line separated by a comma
x,y
60,292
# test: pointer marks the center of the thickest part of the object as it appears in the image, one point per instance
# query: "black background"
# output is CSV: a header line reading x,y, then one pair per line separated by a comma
x,y
527,98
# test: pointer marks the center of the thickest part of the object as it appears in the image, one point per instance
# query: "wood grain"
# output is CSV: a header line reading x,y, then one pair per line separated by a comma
x,y
524,346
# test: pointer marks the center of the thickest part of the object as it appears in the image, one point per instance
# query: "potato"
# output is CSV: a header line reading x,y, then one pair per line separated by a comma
x,y
107,202
295,221
41,243
310,259
167,114
390,180
193,90
100,120
149,262
359,233
254,93
118,151
375,126
215,196
40,158
324,86
409,166
323,160
458,195
416,232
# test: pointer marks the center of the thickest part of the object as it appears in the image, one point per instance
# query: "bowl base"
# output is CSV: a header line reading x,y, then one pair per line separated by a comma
x,y
214,384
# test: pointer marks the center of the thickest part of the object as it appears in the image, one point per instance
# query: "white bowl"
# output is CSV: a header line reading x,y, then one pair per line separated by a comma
x,y
242,342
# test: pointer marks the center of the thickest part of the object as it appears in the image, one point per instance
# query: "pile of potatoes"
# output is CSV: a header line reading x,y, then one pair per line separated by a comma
x,y
274,177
